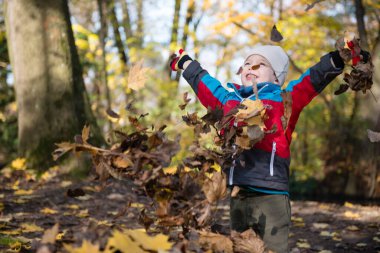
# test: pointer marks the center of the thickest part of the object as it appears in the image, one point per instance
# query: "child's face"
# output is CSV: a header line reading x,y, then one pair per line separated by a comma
x,y
261,72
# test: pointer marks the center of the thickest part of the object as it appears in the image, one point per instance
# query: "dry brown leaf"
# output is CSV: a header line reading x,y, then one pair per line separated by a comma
x,y
235,191
50,234
250,108
137,76
122,162
215,188
247,242
112,114
186,100
215,242
206,214
275,35
85,133
288,102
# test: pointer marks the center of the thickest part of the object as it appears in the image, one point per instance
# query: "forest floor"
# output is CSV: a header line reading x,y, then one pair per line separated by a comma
x,y
89,210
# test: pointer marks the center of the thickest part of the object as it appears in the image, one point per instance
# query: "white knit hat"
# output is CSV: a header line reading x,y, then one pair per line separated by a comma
x,y
277,58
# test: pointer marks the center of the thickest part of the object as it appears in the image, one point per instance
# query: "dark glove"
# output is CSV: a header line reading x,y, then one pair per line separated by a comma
x,y
177,62
365,56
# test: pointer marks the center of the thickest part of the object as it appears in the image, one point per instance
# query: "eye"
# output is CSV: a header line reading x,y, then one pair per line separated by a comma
x,y
246,64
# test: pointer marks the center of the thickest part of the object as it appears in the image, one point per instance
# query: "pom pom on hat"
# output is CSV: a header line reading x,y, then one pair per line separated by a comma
x,y
278,59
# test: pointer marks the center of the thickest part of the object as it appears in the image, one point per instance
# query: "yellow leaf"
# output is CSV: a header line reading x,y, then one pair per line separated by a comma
x,y
216,167
137,76
23,192
85,133
137,205
122,242
50,235
320,225
170,170
348,204
87,247
151,243
19,164
351,215
304,245
47,210
28,227
75,207
82,213
376,239
16,246
352,228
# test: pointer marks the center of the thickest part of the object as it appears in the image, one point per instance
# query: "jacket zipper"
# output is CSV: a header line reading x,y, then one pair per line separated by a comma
x,y
272,158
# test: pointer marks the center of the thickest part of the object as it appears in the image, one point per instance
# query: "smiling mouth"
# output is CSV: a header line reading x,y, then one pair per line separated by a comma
x,y
251,76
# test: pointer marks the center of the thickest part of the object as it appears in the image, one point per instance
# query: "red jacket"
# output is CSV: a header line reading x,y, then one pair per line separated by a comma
x,y
266,165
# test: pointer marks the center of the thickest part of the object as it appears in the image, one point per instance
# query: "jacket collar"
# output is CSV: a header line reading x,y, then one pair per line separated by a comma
x,y
246,91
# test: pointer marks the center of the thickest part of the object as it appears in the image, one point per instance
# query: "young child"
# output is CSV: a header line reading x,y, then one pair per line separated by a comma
x,y
262,172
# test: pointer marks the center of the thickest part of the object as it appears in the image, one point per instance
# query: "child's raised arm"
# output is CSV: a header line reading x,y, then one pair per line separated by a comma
x,y
209,90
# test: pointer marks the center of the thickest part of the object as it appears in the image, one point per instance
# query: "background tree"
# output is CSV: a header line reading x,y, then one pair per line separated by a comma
x,y
52,102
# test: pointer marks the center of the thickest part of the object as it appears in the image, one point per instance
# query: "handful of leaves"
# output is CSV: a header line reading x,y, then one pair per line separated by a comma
x,y
360,77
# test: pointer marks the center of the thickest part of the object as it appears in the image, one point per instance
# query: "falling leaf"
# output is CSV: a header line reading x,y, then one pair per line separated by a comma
x,y
373,136
50,234
122,242
235,191
85,133
122,162
112,114
155,243
216,242
215,188
275,35
186,100
137,76
287,101
86,247
247,242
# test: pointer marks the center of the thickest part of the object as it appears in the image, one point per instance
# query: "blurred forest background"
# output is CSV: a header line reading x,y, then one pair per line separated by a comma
x,y
65,63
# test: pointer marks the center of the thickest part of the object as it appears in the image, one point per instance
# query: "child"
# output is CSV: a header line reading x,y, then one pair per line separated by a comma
x,y
262,172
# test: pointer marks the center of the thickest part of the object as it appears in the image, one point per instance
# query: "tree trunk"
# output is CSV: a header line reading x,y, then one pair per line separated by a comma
x,y
140,24
189,18
102,6
52,102
174,34
126,22
118,41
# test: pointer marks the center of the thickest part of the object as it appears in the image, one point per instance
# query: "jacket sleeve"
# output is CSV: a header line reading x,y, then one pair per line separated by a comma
x,y
209,90
311,83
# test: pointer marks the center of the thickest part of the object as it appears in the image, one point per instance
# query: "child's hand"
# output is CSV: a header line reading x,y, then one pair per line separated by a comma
x,y
177,62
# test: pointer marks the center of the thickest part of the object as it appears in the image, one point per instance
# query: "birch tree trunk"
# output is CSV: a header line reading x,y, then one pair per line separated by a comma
x,y
52,102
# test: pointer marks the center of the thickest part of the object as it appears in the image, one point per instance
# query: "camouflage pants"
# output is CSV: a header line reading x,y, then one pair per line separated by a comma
x,y
268,215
